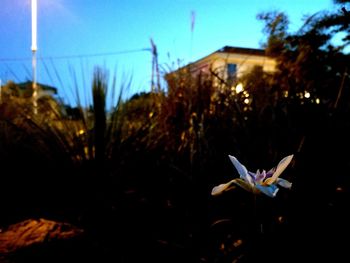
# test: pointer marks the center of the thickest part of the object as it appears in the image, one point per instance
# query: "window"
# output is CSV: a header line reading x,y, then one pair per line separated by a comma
x,y
231,72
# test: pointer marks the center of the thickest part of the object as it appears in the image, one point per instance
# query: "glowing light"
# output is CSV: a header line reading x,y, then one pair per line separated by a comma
x,y
339,189
246,101
318,101
307,94
239,88
34,24
237,243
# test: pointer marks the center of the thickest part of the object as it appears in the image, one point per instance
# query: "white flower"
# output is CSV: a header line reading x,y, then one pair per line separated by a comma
x,y
259,182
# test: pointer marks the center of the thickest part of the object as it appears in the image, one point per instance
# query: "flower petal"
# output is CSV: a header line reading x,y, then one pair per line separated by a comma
x,y
270,172
284,183
244,184
217,190
270,190
282,165
260,176
243,172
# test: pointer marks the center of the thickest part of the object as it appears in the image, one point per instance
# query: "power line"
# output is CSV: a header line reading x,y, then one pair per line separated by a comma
x,y
80,56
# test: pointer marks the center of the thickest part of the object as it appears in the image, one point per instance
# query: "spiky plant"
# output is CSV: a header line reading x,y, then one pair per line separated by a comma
x,y
67,156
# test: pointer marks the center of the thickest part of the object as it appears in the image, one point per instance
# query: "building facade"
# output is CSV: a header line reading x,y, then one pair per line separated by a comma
x,y
230,63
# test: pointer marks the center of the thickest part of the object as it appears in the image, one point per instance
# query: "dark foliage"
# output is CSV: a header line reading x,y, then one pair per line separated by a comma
x,y
138,179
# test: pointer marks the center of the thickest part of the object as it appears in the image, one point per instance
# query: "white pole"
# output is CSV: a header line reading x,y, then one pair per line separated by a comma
x,y
34,49
34,24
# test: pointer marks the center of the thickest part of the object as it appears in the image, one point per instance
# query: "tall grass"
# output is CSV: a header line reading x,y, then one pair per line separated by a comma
x,y
183,134
63,154
140,174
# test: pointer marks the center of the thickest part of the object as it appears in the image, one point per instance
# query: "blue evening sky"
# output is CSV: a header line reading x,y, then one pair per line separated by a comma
x,y
74,34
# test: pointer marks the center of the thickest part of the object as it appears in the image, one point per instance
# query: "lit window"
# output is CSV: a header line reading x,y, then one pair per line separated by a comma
x,y
231,72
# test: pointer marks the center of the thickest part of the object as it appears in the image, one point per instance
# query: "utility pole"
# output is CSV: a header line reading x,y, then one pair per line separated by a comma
x,y
34,49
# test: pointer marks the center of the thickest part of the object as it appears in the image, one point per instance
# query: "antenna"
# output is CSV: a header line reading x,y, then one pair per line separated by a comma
x,y
193,21
155,67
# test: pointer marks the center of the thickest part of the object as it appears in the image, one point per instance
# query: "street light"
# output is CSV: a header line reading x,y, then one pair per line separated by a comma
x,y
34,49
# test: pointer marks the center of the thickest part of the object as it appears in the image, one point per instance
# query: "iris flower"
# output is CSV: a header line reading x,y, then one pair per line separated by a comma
x,y
259,182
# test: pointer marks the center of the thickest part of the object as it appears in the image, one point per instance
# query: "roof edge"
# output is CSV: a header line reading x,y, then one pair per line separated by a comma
x,y
242,50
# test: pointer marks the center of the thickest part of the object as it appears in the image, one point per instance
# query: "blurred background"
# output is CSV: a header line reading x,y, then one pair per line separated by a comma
x,y
117,119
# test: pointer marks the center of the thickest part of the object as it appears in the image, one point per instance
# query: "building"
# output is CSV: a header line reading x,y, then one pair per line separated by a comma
x,y
25,90
20,95
230,63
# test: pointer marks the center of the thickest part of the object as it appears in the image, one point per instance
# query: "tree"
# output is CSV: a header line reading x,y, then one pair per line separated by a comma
x,y
308,62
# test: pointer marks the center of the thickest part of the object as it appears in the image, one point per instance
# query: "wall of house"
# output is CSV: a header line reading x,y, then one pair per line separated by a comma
x,y
244,63
218,62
